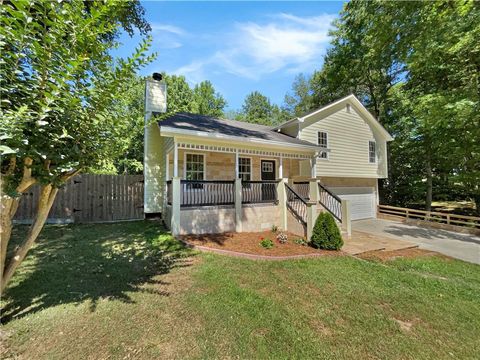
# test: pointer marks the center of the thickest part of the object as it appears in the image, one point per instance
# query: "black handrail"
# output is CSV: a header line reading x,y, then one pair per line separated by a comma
x,y
297,205
331,202
259,192
207,192
302,188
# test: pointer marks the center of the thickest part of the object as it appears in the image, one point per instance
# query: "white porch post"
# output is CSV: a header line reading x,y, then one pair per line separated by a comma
x,y
313,190
167,166
312,214
238,204
175,224
313,164
346,220
175,160
282,203
236,165
280,168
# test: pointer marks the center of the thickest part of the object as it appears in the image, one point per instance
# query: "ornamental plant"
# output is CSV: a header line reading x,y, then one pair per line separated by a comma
x,y
266,243
326,234
282,237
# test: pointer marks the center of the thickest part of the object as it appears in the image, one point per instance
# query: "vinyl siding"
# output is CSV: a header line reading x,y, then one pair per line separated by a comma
x,y
348,137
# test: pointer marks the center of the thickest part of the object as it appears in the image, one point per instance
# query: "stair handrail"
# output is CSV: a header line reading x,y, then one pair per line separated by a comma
x,y
332,204
301,214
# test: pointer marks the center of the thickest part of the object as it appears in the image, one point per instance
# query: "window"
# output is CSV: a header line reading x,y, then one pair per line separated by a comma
x,y
194,167
323,142
372,153
245,169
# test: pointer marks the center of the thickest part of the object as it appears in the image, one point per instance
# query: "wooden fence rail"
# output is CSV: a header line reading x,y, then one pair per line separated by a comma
x,y
431,216
90,198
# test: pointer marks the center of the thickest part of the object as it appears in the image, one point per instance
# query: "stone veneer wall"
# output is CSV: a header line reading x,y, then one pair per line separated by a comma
x,y
260,217
348,182
207,220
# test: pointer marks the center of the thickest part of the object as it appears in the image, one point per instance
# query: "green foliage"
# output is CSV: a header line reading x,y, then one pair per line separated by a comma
x,y
300,241
326,234
274,228
60,84
266,243
415,65
206,101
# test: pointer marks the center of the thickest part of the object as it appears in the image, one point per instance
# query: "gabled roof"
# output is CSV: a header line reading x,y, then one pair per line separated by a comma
x,y
353,100
188,122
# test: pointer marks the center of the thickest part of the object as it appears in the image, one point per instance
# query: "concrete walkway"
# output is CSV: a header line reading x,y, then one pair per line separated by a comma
x,y
461,246
361,242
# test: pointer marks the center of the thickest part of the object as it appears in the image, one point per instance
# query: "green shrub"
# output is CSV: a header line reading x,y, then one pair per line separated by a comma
x,y
266,243
326,234
300,241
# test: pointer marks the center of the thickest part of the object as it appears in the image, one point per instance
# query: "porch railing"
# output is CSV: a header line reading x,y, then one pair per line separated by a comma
x,y
302,188
206,192
296,204
331,202
255,192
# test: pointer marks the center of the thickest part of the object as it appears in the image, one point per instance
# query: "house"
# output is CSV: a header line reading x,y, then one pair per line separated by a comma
x,y
210,175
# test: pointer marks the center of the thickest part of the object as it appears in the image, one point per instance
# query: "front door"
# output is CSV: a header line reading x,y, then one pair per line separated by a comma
x,y
267,168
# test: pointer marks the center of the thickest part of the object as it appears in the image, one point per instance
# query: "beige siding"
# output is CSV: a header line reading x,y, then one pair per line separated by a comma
x,y
221,166
348,137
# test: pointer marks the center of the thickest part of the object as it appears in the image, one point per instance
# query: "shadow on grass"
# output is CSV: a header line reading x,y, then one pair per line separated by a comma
x,y
78,263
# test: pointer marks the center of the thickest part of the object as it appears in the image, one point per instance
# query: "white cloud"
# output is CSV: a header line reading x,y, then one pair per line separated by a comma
x,y
285,43
167,36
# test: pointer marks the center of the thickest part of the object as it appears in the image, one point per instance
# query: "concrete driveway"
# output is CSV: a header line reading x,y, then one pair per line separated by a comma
x,y
461,246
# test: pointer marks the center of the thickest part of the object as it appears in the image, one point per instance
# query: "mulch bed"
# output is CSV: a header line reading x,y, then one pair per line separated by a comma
x,y
391,255
249,243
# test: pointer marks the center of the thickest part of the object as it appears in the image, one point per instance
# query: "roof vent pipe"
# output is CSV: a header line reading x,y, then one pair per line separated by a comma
x,y
157,76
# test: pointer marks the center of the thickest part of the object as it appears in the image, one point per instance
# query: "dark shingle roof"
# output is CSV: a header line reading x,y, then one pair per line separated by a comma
x,y
209,124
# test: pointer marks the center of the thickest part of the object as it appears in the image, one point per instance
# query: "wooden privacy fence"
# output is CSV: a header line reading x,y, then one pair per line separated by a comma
x,y
431,216
90,198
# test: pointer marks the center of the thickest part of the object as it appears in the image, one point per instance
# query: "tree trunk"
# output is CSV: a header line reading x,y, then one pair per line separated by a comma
x,y
8,207
428,198
45,202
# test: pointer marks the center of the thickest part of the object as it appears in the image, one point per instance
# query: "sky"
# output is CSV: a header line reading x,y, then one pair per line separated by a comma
x,y
239,46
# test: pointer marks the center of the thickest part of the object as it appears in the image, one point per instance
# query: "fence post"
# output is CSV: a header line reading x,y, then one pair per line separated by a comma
x,y
176,194
313,190
311,218
282,203
346,221
238,205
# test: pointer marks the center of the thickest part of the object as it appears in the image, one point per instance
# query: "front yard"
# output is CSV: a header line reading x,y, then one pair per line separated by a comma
x,y
131,291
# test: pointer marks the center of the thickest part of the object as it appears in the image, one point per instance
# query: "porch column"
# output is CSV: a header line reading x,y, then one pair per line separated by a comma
x,y
313,164
346,220
175,224
312,213
313,190
280,168
175,160
282,203
236,165
238,204
167,166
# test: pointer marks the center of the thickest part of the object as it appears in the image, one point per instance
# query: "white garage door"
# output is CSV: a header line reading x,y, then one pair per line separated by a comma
x,y
362,201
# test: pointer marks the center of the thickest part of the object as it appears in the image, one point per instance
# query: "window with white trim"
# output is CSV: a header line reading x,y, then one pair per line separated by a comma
x,y
194,167
245,169
372,152
323,142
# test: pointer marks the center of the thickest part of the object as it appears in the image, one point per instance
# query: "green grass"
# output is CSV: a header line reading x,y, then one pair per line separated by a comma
x,y
130,291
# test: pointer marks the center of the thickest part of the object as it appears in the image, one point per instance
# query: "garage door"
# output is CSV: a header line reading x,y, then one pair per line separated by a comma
x,y
362,201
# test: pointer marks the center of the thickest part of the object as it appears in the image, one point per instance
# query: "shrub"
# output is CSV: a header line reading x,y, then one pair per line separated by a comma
x,y
326,234
266,243
300,241
282,238
274,228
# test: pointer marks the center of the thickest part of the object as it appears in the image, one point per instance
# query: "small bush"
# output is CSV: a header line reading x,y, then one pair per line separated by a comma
x,y
274,228
266,243
326,234
282,238
300,241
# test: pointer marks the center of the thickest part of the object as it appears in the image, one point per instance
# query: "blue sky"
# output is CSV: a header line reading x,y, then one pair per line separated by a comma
x,y
239,46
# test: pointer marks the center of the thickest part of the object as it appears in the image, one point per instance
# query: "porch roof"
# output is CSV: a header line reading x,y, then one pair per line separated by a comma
x,y
229,128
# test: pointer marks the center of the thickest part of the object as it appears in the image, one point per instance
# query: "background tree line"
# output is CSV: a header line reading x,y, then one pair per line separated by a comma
x,y
414,65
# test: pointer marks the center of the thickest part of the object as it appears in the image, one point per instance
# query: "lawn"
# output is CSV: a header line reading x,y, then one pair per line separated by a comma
x,y
131,291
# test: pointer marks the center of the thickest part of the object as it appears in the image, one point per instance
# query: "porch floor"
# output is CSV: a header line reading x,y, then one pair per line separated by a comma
x,y
361,242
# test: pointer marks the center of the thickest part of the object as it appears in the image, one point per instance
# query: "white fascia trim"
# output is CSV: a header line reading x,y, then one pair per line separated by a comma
x,y
169,131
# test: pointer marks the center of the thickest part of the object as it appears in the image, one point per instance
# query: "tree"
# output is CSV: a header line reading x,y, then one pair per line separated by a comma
x,y
206,101
299,101
415,66
257,109
58,86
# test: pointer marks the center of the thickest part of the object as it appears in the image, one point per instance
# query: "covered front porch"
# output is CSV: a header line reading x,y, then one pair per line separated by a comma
x,y
215,189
